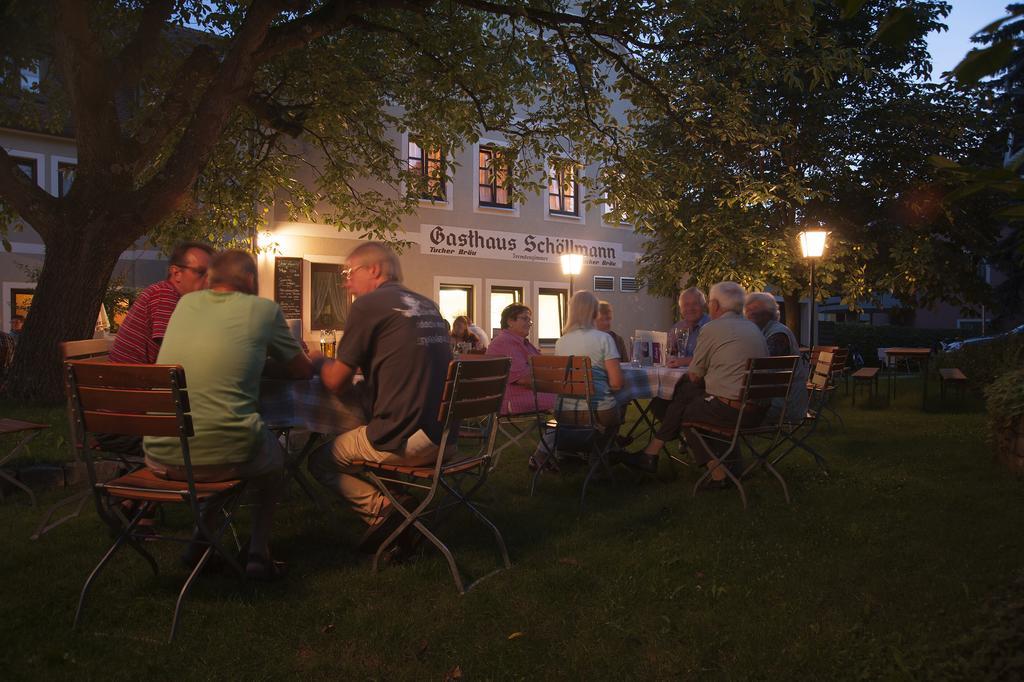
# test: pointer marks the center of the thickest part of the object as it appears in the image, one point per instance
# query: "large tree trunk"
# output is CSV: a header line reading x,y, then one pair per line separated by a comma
x,y
792,301
75,274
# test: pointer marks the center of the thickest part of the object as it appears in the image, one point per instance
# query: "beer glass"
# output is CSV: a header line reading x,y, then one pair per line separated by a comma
x,y
328,342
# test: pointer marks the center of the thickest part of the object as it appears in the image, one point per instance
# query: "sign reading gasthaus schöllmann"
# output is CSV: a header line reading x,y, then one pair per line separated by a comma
x,y
444,240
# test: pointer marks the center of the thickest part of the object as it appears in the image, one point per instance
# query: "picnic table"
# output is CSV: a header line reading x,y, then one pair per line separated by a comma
x,y
287,404
646,382
922,355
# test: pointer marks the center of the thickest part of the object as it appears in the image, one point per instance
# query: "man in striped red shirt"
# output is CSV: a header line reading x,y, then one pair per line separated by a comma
x,y
139,337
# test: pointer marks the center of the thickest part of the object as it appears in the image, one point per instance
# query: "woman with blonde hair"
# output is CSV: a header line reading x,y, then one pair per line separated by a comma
x,y
581,338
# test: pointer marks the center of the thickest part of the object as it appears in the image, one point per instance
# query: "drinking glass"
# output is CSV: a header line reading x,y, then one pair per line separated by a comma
x,y
328,342
683,341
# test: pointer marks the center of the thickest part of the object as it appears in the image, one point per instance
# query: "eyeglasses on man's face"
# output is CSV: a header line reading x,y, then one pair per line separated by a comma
x,y
347,272
200,272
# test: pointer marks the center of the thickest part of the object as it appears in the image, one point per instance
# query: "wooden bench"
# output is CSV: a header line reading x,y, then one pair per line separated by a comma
x,y
865,376
952,375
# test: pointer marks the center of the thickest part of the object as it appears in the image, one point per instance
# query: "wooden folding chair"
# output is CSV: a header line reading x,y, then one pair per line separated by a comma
x,y
796,434
766,379
570,378
837,371
474,389
95,350
145,400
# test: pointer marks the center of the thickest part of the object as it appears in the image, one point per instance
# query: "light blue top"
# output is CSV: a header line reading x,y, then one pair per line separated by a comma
x,y
597,346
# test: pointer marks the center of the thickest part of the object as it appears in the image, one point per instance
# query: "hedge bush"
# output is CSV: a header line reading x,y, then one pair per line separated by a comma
x,y
867,339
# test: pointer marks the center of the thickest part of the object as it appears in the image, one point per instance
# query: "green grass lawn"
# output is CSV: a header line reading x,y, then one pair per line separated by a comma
x,y
896,566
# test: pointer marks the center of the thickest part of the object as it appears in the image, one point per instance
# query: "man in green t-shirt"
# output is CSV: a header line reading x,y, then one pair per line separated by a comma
x,y
222,337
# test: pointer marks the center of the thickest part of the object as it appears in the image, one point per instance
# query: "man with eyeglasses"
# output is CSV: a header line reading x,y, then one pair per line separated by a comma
x,y
138,340
399,341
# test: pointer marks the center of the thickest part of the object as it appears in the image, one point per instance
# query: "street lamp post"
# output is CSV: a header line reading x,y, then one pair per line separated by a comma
x,y
812,244
572,265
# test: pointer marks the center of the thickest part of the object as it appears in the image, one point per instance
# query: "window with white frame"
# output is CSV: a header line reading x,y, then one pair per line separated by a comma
x,y
503,296
428,164
493,177
552,308
454,300
563,189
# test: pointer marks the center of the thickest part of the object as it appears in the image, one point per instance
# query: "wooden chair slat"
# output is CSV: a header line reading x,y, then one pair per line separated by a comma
x,y
773,362
134,424
127,376
465,409
478,368
577,388
560,361
769,378
476,388
116,400
766,392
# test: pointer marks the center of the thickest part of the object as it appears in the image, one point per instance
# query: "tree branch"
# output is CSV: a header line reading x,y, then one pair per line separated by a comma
x,y
129,65
31,202
86,71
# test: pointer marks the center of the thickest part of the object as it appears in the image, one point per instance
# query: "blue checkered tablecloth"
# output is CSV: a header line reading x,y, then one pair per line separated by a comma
x,y
307,404
648,382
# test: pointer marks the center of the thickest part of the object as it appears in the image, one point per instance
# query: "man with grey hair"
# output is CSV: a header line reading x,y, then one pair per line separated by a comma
x,y
399,340
763,310
693,311
712,389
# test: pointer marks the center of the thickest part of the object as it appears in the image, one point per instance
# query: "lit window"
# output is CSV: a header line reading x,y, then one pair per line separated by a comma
x,y
455,300
493,178
501,298
562,189
551,311
329,300
430,167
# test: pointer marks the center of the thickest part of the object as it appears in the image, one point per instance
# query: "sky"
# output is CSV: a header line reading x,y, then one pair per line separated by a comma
x,y
965,19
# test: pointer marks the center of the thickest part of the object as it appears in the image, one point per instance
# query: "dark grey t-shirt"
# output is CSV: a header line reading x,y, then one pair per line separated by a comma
x,y
399,341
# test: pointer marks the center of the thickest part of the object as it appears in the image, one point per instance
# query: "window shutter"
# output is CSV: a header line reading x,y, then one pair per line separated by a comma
x,y
604,283
628,284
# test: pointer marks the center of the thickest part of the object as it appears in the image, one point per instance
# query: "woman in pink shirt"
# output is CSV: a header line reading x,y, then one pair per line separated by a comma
x,y
512,342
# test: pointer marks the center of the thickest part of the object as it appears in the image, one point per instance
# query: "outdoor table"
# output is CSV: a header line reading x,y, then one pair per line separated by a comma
x,y
28,431
922,355
646,382
287,404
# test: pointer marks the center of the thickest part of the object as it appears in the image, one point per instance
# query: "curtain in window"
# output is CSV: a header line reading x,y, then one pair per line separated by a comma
x,y
330,305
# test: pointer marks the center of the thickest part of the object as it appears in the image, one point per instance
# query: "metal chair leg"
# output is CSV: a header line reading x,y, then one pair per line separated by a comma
x,y
45,525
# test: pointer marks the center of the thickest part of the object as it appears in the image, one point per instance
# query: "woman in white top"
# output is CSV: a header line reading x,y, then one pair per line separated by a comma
x,y
581,338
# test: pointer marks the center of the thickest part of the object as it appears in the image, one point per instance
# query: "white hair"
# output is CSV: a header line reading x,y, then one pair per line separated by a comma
x,y
694,291
766,300
729,295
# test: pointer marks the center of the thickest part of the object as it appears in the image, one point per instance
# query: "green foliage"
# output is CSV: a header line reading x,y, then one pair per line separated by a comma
x,y
1004,398
818,122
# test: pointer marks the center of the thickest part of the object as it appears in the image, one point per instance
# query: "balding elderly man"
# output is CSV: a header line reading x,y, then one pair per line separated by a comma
x,y
223,336
714,382
763,310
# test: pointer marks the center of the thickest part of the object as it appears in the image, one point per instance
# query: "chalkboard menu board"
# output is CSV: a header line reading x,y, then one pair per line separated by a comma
x,y
288,286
